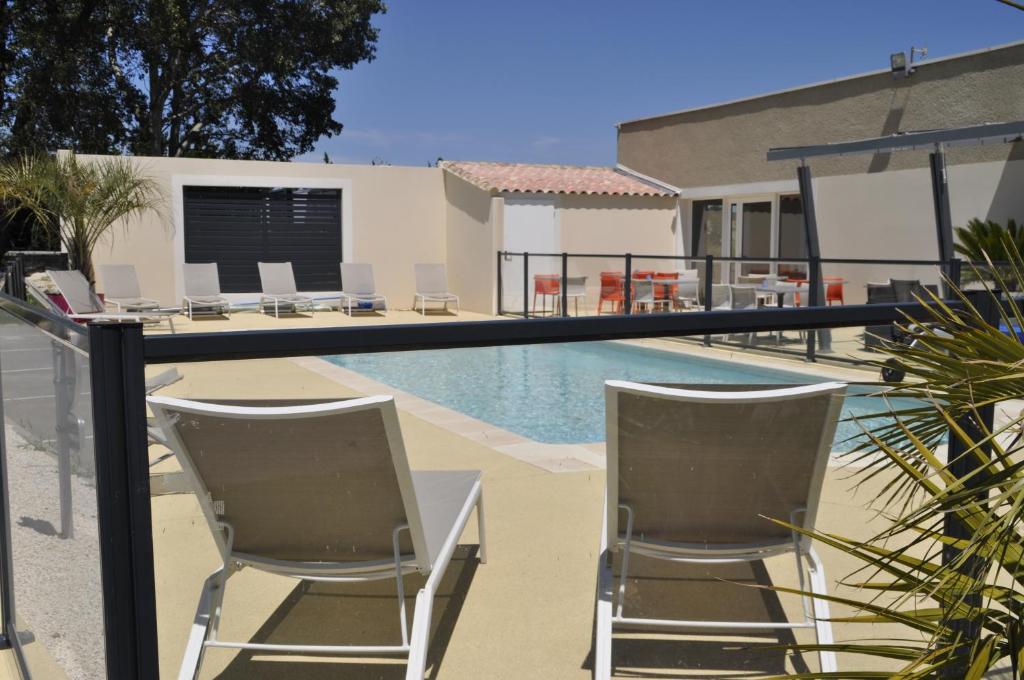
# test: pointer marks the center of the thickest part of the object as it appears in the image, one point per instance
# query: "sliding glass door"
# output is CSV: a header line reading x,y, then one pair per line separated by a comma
x,y
766,226
707,233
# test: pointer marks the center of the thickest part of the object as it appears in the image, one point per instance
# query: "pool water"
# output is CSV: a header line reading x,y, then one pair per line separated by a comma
x,y
554,393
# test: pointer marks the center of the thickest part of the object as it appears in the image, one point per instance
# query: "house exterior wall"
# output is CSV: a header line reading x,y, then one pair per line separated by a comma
x,y
613,225
890,216
728,144
392,218
867,206
471,217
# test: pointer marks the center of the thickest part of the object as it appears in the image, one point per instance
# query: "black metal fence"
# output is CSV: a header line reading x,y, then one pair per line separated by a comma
x,y
631,262
118,354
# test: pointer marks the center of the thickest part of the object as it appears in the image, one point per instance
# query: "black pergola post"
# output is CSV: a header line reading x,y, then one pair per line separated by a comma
x,y
814,279
943,218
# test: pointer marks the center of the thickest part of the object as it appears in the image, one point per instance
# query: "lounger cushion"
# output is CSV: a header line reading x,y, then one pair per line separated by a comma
x,y
288,298
134,303
211,300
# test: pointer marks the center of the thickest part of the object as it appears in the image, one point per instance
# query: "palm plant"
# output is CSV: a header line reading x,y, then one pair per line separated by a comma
x,y
980,240
950,564
78,202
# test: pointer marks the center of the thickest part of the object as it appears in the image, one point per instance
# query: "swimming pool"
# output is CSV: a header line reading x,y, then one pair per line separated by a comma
x,y
554,393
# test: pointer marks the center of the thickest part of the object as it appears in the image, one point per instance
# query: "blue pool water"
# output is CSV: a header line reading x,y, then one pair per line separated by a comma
x,y
554,393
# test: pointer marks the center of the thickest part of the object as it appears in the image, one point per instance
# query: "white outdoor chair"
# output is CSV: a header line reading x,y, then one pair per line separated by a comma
x,y
317,492
692,476
122,291
721,296
575,290
432,286
278,283
86,306
202,289
744,296
643,295
357,286
154,384
686,290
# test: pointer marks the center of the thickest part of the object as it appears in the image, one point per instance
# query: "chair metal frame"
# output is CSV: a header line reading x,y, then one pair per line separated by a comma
x,y
348,297
294,300
203,633
610,599
421,298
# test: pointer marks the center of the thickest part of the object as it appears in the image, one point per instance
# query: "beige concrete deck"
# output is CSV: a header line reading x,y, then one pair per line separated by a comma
x,y
528,612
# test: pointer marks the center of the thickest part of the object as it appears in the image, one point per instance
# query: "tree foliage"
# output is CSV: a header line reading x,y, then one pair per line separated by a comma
x,y
210,78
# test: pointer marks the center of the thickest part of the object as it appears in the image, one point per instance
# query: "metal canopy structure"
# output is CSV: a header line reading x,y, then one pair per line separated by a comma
x,y
936,141
975,135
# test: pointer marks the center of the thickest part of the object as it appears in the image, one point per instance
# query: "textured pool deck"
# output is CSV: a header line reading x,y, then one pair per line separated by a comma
x,y
527,613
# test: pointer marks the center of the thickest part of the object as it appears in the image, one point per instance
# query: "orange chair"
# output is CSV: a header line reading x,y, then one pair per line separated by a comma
x,y
612,291
545,285
834,290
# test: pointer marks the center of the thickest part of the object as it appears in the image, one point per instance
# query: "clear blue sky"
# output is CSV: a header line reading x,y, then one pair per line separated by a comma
x,y
546,81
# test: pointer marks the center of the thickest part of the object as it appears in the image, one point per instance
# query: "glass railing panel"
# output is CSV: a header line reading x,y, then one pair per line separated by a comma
x,y
51,502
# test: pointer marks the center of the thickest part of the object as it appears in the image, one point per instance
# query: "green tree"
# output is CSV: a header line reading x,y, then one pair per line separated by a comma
x,y
58,85
211,78
79,203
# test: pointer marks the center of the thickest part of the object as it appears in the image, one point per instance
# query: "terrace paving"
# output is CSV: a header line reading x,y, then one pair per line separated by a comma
x,y
528,612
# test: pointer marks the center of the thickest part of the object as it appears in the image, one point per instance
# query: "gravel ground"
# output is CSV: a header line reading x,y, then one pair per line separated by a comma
x,y
58,593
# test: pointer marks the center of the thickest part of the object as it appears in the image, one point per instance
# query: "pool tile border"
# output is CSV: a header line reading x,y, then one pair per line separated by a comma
x,y
548,457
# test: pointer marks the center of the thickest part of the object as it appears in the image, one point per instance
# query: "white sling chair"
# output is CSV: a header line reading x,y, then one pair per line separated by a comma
x,y
317,492
202,289
121,289
278,283
432,286
357,286
86,306
692,476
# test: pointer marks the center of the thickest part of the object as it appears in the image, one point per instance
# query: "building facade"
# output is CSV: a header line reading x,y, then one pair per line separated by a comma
x,y
737,202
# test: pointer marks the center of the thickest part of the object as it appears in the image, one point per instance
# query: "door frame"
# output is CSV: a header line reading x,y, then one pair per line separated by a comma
x,y
729,274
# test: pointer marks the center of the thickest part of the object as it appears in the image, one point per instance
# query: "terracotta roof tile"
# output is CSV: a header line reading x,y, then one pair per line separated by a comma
x,y
552,179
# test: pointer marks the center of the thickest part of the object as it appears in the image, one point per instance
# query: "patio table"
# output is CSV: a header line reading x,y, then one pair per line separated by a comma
x,y
779,289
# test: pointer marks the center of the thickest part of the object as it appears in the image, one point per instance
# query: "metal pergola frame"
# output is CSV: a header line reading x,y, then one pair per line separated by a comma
x,y
936,141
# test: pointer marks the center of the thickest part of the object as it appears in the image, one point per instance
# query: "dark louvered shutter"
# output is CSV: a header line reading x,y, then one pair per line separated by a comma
x,y
236,227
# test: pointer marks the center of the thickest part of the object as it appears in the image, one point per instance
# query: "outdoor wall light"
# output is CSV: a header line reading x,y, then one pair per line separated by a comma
x,y
898,64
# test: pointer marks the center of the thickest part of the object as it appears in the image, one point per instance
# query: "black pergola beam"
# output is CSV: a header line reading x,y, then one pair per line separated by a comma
x,y
974,135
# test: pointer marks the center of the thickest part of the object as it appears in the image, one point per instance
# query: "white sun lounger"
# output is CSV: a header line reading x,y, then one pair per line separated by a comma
x,y
86,306
432,286
357,286
278,282
202,289
317,492
122,291
692,476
